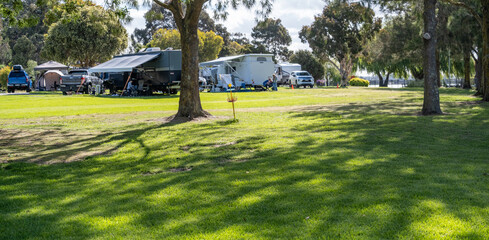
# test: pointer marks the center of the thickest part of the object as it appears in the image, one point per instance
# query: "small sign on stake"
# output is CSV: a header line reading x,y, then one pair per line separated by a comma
x,y
232,99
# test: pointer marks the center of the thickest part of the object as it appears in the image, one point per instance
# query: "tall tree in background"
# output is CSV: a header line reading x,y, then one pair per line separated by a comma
x,y
395,49
340,33
23,50
210,44
308,63
274,36
88,35
5,51
186,15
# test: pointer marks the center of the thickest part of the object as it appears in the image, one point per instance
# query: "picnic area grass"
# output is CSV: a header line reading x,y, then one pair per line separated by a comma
x,y
357,163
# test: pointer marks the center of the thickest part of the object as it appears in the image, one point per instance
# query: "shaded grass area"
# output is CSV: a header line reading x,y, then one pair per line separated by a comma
x,y
349,169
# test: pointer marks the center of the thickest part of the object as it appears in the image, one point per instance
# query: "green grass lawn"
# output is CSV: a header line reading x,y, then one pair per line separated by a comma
x,y
329,163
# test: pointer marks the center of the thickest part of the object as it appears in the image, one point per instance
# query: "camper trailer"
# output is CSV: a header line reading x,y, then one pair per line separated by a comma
x,y
283,70
143,73
249,70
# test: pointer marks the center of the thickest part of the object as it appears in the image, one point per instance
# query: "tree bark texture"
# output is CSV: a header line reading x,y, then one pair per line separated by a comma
x,y
383,82
467,70
431,103
485,49
190,105
187,18
478,74
438,65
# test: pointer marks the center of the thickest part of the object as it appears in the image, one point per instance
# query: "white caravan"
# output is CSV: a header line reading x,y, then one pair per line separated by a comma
x,y
283,70
249,70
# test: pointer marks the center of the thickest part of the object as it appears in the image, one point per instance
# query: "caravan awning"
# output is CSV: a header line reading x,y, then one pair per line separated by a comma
x,y
220,61
124,63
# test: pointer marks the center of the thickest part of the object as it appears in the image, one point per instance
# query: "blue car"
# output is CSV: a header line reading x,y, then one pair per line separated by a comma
x,y
18,80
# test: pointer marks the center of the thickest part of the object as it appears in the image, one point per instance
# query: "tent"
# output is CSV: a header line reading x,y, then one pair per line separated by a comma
x,y
51,65
50,80
55,70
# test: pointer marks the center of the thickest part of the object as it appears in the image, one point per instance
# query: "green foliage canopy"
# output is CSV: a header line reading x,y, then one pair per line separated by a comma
x,y
210,44
309,63
87,36
274,36
340,33
24,49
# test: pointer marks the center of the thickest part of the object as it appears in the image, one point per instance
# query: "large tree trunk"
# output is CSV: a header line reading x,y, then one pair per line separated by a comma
x,y
381,79
467,69
386,81
485,49
189,105
431,104
478,74
186,17
438,64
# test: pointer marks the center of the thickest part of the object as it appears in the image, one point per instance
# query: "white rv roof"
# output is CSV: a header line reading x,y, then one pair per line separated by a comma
x,y
287,64
220,61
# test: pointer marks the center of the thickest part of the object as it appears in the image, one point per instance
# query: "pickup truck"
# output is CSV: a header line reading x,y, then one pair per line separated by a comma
x,y
18,80
78,80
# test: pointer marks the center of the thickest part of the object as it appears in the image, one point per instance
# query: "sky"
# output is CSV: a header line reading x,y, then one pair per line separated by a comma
x,y
293,13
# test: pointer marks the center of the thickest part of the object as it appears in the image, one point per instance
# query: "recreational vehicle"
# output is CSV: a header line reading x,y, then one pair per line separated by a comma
x,y
283,70
143,73
249,70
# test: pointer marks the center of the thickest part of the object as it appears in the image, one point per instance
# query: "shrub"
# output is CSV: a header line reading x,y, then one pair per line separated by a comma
x,y
359,82
4,76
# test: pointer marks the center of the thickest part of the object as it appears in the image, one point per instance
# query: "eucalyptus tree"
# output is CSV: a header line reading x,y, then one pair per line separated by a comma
x,y
88,35
186,14
309,63
339,34
395,49
274,36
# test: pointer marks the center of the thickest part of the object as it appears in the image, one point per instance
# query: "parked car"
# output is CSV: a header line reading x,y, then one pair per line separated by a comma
x,y
18,79
79,80
301,78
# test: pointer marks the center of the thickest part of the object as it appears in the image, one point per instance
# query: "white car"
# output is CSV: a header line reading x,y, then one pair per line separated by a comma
x,y
301,78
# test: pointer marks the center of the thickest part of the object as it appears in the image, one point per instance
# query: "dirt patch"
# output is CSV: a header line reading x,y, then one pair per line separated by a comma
x,y
224,145
181,169
51,147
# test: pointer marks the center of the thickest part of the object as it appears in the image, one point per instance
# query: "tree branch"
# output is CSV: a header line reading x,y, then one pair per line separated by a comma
x,y
334,64
469,8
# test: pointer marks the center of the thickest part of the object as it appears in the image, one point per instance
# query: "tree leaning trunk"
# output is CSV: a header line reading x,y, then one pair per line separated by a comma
x,y
189,105
381,79
485,49
386,82
467,70
431,104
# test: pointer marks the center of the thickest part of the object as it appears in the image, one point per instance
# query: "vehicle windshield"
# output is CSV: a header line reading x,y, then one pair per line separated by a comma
x,y
17,74
78,73
302,74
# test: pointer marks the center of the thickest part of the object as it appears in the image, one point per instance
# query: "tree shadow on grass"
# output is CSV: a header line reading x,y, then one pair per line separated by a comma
x,y
368,175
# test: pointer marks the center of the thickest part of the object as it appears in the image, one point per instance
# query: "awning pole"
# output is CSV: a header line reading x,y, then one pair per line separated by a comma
x,y
123,90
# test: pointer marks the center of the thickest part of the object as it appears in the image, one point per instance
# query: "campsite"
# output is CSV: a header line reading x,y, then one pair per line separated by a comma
x,y
270,119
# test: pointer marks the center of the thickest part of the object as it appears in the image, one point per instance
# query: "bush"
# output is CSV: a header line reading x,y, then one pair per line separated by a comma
x,y
4,76
359,82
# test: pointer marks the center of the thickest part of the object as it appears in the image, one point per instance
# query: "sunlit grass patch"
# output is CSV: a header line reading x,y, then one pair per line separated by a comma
x,y
300,164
